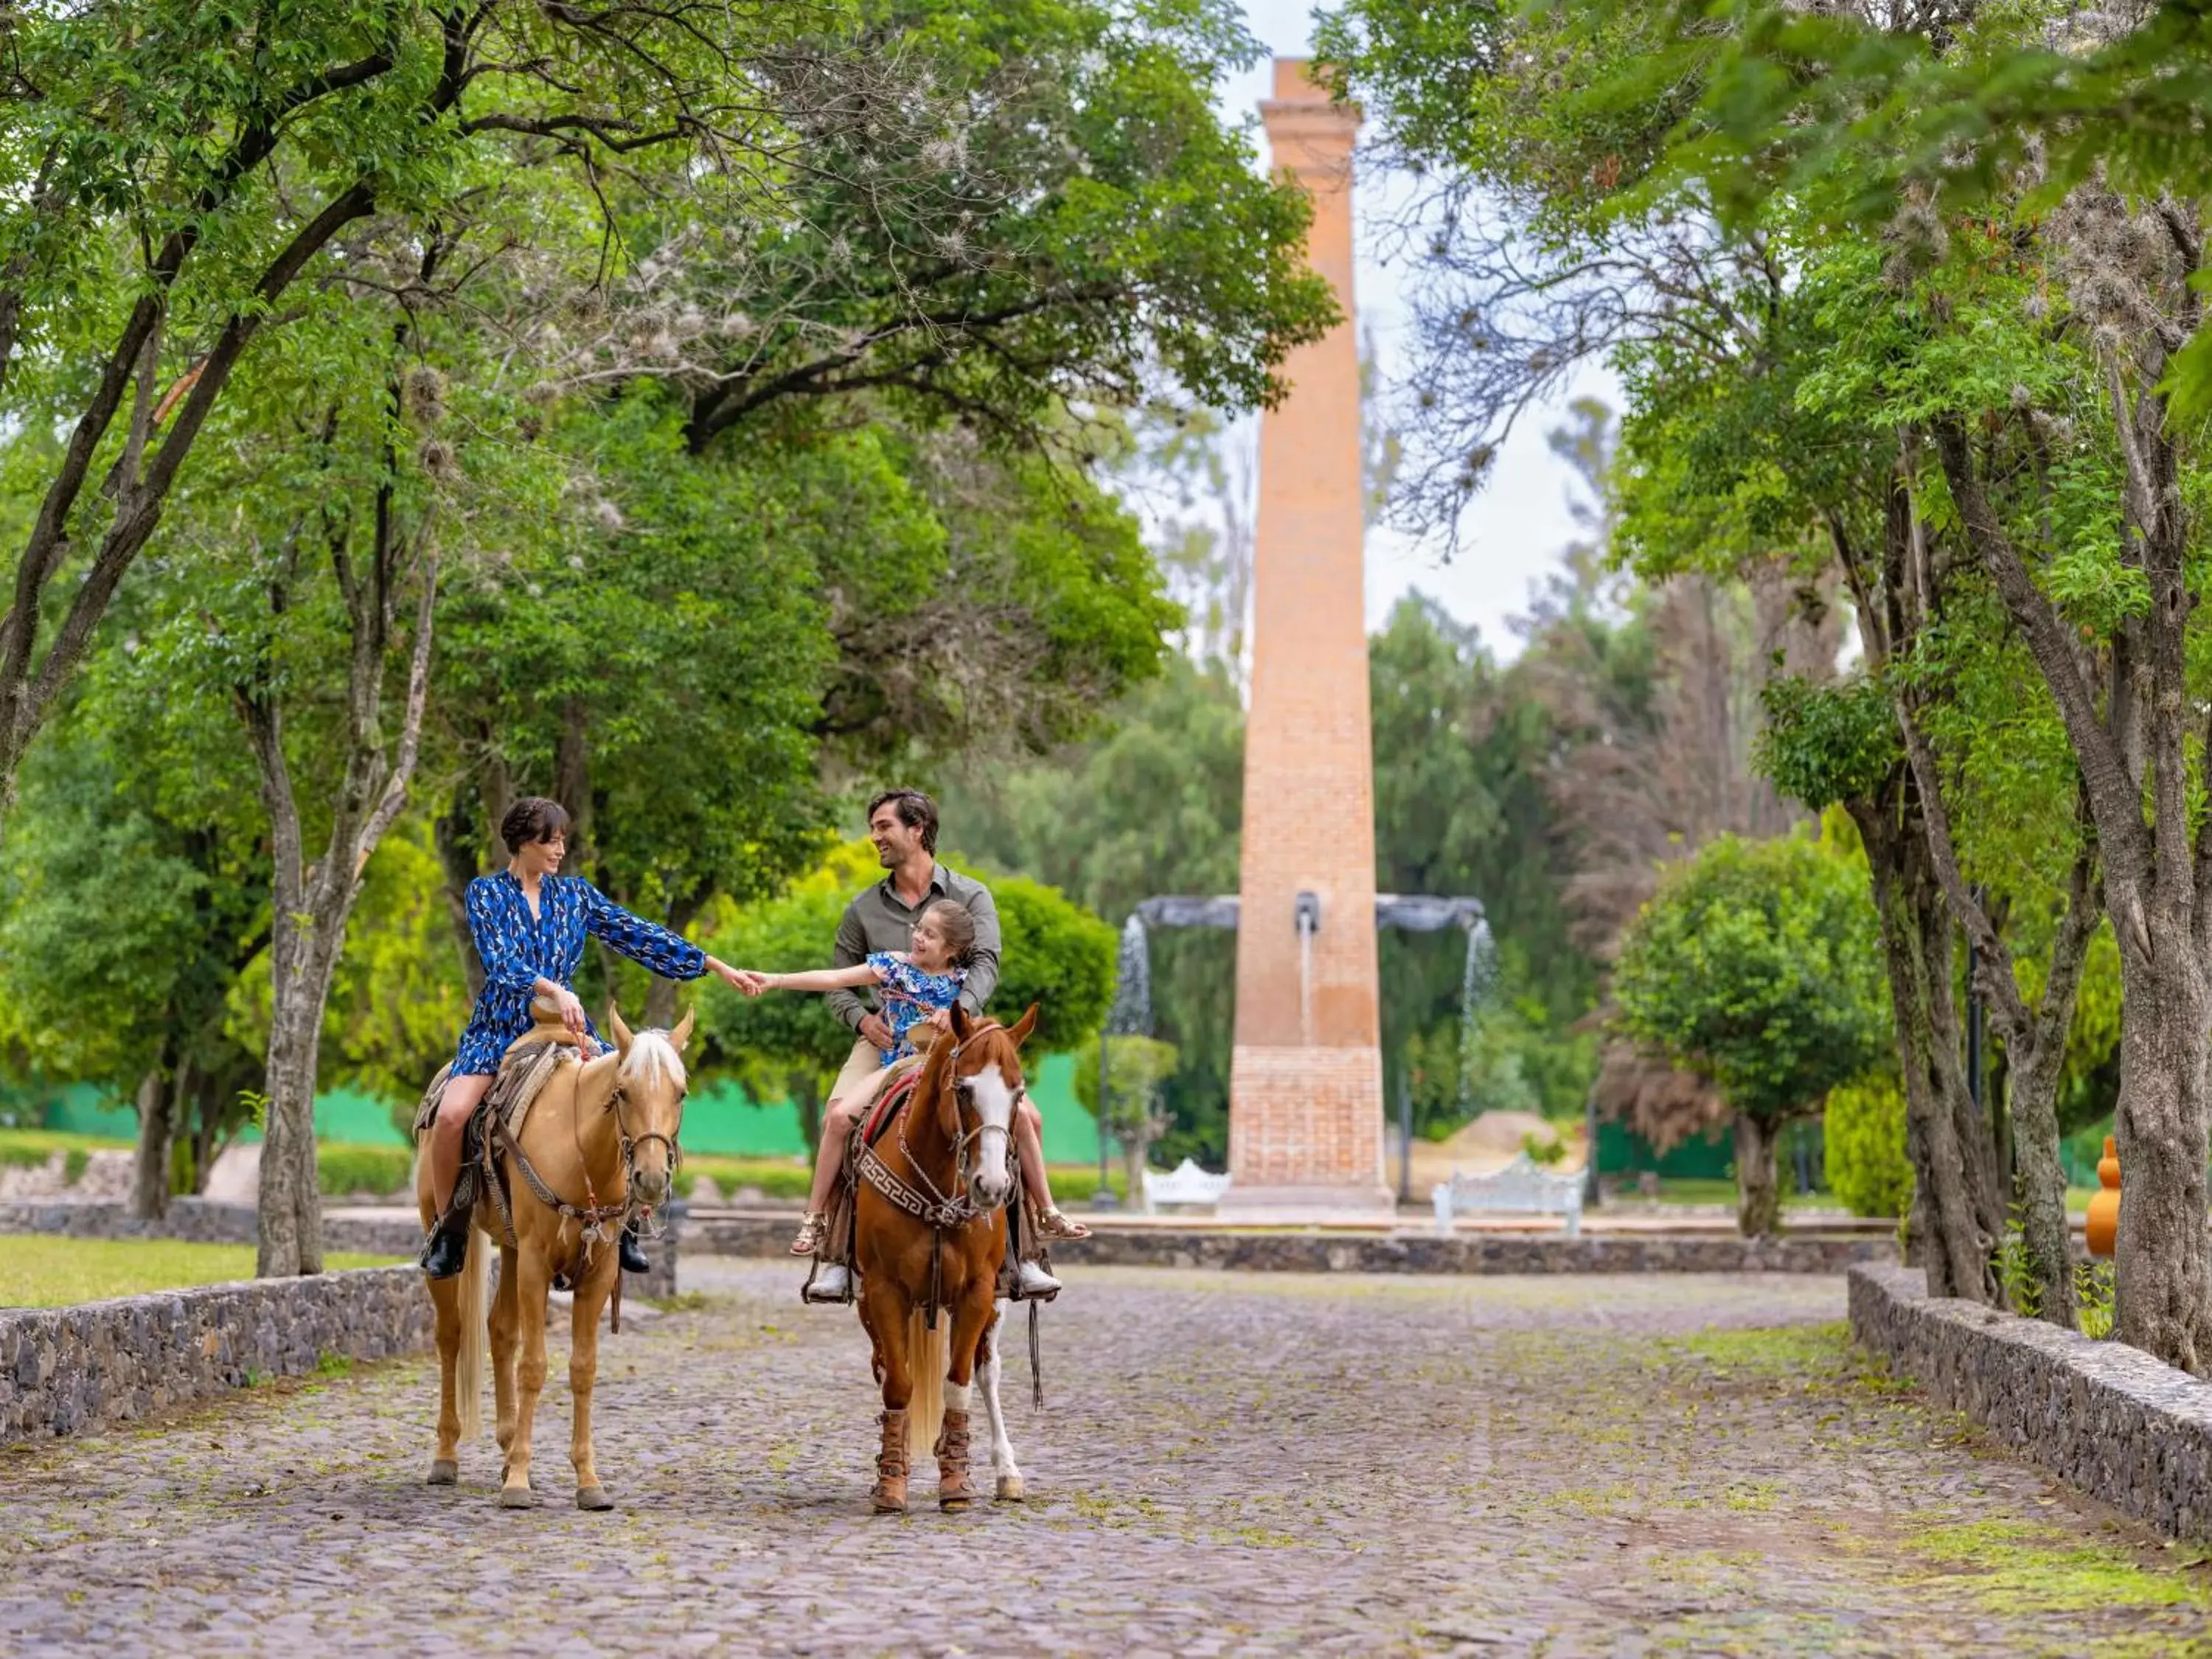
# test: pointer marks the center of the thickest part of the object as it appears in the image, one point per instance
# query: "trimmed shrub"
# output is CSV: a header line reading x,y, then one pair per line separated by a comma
x,y
1868,1168
340,1169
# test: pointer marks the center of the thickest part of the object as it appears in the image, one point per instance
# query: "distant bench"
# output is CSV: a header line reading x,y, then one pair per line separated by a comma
x,y
1520,1188
1186,1184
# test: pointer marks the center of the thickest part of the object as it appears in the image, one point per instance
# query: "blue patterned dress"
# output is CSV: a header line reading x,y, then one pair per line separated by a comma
x,y
520,949
909,995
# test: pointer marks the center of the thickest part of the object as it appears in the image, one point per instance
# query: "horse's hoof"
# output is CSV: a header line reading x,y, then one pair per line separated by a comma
x,y
444,1471
888,1501
593,1497
1011,1490
517,1497
957,1503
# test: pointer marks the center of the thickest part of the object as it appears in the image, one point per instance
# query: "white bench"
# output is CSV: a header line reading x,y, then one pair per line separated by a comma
x,y
1520,1188
1186,1184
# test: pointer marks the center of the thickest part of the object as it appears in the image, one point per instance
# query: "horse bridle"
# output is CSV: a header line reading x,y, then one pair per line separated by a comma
x,y
629,1144
591,1214
958,1207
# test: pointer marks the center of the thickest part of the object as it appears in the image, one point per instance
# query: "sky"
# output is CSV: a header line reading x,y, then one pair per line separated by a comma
x,y
1517,526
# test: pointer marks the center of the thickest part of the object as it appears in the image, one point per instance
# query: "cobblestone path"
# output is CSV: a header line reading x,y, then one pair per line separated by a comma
x,y
1245,1464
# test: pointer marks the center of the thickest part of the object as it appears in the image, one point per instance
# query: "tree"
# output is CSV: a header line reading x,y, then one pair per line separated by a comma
x,y
1618,238
188,169
128,906
1136,1067
2039,168
1755,965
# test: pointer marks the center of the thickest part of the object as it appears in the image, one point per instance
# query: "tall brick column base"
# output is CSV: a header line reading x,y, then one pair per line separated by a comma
x,y
1305,1134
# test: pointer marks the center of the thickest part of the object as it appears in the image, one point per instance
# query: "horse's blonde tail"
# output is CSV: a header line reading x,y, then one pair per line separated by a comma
x,y
469,1364
930,1355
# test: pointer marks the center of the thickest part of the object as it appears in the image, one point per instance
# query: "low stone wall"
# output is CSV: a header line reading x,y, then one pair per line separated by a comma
x,y
199,1221
65,1370
2109,1418
1333,1252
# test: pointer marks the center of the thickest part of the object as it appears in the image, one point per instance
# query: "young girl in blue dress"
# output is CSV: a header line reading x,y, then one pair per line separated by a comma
x,y
529,923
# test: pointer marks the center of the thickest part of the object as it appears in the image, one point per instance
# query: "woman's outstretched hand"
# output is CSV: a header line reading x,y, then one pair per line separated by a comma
x,y
739,979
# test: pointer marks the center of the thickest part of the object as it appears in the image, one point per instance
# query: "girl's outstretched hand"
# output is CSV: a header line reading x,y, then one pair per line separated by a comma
x,y
743,979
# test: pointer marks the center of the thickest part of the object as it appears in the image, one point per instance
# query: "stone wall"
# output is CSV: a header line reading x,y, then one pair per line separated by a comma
x,y
2107,1417
65,1370
1316,1251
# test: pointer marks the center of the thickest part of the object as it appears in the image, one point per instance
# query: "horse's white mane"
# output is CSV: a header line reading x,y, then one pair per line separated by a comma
x,y
652,1055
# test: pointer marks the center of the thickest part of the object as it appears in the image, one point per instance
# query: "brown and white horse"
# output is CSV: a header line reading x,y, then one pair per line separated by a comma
x,y
599,1141
930,1235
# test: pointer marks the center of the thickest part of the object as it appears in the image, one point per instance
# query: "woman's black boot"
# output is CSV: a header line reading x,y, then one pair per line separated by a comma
x,y
447,1251
634,1258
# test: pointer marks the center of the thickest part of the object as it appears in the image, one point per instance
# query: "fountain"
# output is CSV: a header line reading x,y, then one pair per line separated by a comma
x,y
1132,1013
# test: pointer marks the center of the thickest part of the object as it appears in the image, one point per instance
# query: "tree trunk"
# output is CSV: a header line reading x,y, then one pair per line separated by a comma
x,y
454,834
1955,1204
2164,1269
1757,1185
572,776
305,951
206,1101
1133,1148
150,1175
2044,1232
660,1003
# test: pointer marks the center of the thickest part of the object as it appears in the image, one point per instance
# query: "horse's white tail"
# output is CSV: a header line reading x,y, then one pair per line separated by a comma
x,y
930,1355
469,1364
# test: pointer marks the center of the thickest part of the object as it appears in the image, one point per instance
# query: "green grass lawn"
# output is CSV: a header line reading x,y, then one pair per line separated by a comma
x,y
1699,1190
37,1271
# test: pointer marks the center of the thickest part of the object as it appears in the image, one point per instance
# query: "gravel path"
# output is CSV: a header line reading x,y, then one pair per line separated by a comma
x,y
1229,1464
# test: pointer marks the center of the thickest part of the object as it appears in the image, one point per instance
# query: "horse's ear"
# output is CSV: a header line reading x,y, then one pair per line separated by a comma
x,y
682,1034
1020,1030
615,1024
961,1023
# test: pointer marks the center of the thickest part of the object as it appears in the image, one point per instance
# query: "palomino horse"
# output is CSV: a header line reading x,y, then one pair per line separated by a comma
x,y
930,1235
598,1141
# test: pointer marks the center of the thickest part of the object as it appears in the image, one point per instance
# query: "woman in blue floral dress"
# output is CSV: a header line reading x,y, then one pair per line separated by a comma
x,y
529,923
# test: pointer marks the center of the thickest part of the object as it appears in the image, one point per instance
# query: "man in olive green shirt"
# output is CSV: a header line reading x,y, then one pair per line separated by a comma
x,y
903,824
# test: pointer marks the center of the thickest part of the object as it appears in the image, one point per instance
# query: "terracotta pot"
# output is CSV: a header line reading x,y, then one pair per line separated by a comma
x,y
2104,1220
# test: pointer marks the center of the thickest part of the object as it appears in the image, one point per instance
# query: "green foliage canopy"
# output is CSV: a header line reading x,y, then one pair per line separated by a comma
x,y
1756,965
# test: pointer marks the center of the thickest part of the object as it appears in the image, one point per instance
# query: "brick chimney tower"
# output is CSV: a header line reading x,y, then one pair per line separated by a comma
x,y
1306,1086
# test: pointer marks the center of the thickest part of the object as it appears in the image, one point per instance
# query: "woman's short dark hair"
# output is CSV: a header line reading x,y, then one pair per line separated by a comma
x,y
532,819
915,811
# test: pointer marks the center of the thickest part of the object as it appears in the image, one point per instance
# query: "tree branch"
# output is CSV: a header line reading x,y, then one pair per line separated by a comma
x,y
410,729
1996,974
2115,801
